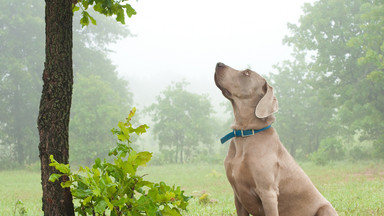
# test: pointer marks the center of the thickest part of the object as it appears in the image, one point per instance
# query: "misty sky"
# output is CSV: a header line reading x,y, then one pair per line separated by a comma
x,y
178,39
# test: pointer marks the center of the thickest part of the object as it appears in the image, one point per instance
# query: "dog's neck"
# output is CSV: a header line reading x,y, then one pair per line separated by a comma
x,y
245,117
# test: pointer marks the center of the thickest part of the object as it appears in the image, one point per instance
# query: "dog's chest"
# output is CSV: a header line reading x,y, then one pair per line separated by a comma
x,y
237,166
243,186
241,172
237,171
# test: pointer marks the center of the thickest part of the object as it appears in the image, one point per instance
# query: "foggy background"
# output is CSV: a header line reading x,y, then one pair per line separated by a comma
x,y
176,40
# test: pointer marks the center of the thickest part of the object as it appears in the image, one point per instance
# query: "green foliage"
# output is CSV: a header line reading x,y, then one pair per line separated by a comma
x,y
183,123
330,149
21,65
105,7
91,117
116,188
357,153
100,96
300,110
336,79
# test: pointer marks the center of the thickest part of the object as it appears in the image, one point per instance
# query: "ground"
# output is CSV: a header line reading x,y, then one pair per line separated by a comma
x,y
353,188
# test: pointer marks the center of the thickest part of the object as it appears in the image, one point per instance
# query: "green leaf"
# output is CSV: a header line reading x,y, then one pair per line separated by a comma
x,y
120,15
100,206
87,200
66,184
85,4
145,183
53,161
122,137
63,168
129,10
96,173
81,193
54,176
132,156
141,129
113,152
167,211
169,195
111,190
146,203
128,168
92,19
75,8
143,158
98,7
121,202
97,163
96,191
109,204
131,114
84,21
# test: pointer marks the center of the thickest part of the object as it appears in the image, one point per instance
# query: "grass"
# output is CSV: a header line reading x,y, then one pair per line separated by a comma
x,y
20,185
353,188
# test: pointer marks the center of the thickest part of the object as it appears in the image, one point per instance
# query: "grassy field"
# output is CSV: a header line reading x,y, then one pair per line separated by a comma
x,y
353,188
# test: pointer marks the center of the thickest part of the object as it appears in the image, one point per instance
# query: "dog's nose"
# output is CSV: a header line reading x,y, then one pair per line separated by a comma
x,y
219,64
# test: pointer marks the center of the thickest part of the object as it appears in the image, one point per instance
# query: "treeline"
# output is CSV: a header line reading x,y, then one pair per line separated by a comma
x,y
331,93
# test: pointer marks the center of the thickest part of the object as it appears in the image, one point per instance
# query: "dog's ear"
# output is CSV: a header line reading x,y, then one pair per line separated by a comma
x,y
268,104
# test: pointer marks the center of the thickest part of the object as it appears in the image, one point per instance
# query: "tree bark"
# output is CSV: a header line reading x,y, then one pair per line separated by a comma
x,y
55,104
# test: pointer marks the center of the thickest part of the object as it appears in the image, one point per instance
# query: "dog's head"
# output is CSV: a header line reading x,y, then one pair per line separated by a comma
x,y
248,86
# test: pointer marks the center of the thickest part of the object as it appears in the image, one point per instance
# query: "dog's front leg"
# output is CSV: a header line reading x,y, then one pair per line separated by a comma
x,y
269,200
239,208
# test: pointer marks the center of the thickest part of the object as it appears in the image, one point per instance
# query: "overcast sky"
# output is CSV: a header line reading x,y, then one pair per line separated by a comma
x,y
179,39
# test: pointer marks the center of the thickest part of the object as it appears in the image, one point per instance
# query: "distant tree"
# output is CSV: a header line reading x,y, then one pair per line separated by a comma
x,y
55,103
96,106
343,41
100,96
300,110
21,58
183,122
372,60
21,63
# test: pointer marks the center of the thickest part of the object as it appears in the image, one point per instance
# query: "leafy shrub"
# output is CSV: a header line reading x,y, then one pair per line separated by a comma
x,y
359,153
319,157
378,147
115,188
329,149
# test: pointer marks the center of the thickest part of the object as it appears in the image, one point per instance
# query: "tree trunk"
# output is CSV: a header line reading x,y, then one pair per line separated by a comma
x,y
18,125
55,104
181,155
